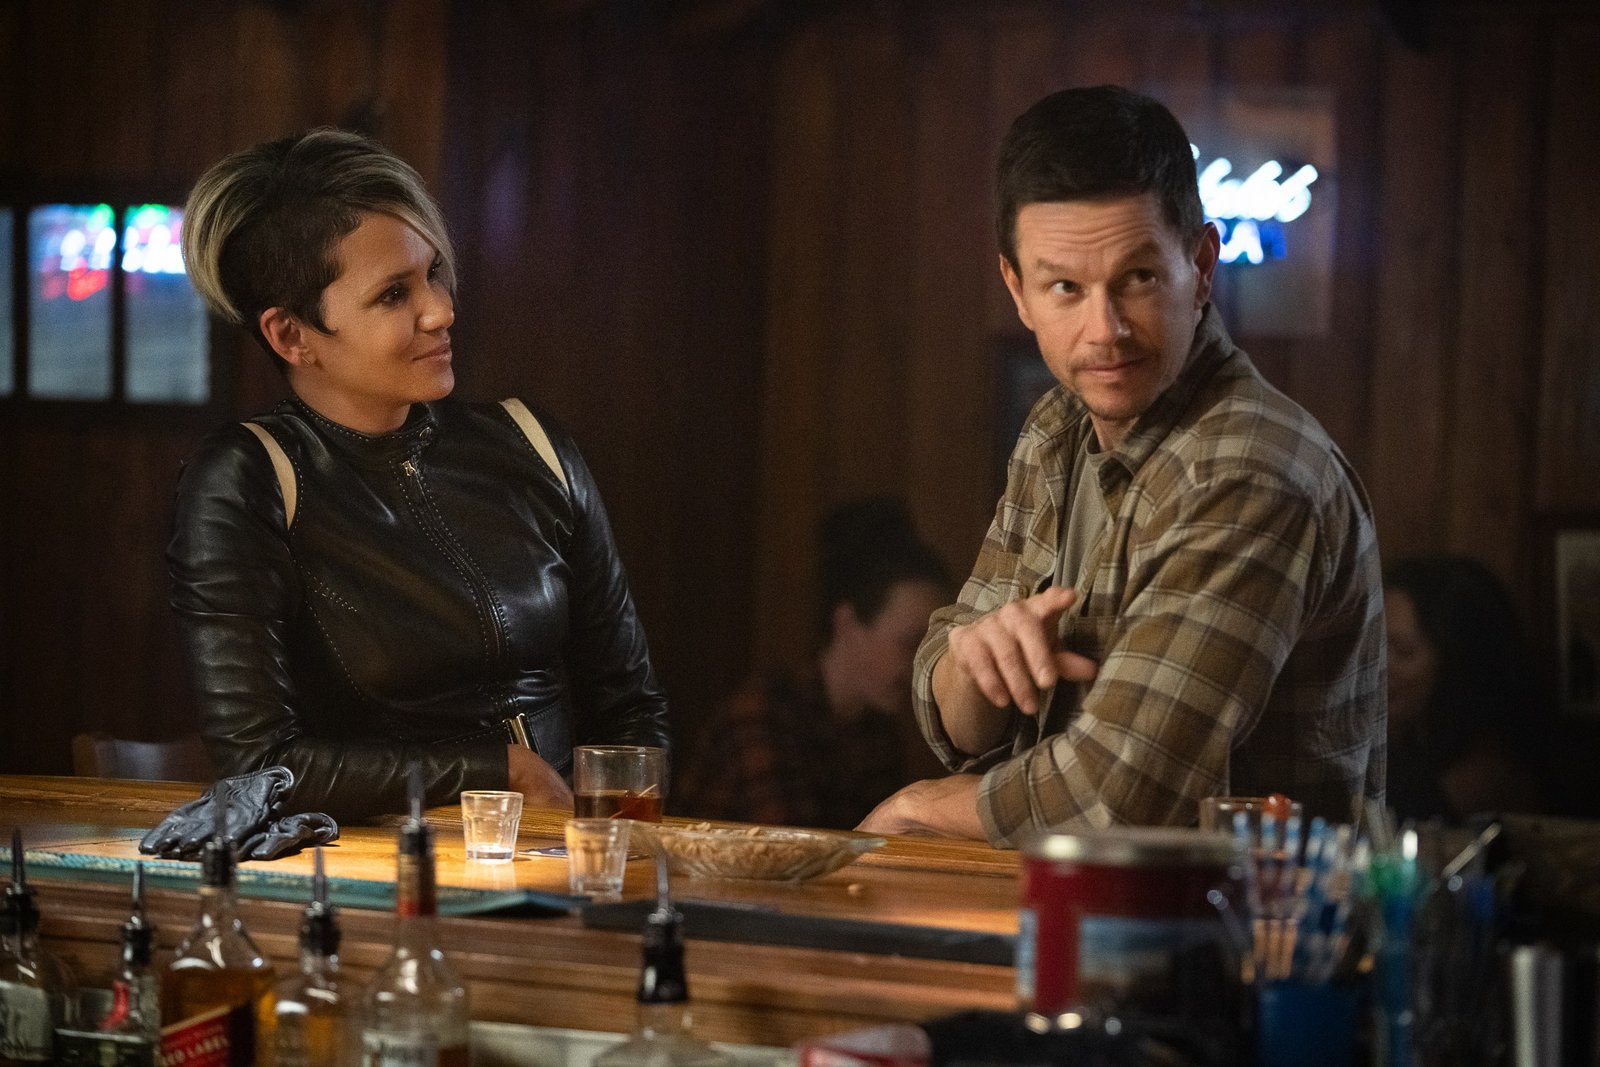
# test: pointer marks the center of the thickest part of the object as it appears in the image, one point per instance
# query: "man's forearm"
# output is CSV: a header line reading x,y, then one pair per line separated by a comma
x,y
973,725
944,806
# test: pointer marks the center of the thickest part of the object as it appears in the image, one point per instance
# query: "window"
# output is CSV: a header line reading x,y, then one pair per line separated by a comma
x,y
168,332
69,302
105,311
8,354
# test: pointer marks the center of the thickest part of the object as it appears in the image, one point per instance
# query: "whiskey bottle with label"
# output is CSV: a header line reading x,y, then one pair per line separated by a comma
x,y
415,1012
313,1020
37,991
217,993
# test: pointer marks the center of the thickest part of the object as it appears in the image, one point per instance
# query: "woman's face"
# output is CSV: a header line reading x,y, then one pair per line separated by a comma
x,y
1413,664
388,316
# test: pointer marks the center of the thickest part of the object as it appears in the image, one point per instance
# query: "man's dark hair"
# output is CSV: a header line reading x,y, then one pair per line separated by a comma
x,y
1096,144
868,546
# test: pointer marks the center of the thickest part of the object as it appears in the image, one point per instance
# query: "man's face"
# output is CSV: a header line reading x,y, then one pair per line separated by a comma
x,y
1113,294
877,655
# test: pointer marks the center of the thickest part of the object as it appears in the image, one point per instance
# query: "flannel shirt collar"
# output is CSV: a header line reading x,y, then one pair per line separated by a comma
x,y
1063,418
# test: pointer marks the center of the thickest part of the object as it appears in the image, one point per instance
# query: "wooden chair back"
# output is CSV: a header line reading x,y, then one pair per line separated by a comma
x,y
99,755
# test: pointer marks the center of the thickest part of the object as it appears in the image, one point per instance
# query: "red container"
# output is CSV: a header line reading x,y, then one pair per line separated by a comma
x,y
1123,923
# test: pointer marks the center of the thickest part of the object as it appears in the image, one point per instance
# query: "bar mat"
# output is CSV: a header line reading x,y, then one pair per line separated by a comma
x,y
294,888
755,924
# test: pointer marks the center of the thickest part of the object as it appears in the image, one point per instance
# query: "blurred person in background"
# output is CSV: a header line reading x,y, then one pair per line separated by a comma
x,y
822,746
1468,717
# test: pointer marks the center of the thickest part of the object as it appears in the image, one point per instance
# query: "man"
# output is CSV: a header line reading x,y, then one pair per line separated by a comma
x,y
1180,594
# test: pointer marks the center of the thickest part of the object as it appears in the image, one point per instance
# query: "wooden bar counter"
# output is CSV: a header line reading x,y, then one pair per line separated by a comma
x,y
555,971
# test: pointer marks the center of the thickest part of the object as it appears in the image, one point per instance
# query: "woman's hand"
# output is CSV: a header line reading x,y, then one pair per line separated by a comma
x,y
536,780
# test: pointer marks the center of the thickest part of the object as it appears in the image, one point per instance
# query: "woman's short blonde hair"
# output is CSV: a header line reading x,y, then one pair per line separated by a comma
x,y
261,228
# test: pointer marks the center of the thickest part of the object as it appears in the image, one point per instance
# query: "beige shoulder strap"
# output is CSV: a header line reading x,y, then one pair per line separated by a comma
x,y
536,436
281,467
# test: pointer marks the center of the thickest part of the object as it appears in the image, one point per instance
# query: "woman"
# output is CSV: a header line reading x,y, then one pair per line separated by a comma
x,y
822,747
1467,716
413,584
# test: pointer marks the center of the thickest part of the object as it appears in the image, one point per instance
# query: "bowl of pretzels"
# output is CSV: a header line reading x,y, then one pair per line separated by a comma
x,y
767,853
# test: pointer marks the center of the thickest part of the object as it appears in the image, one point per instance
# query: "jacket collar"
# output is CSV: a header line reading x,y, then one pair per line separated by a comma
x,y
1209,350
1064,416
370,449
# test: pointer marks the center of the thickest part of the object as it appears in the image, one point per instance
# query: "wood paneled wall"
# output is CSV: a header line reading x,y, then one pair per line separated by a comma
x,y
606,178
745,253
1460,370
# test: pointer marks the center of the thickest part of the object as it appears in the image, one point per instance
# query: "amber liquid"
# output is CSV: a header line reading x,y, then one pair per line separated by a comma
x,y
617,804
190,991
318,1036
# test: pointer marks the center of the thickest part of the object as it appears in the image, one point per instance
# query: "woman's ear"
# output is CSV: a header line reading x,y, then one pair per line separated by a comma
x,y
287,336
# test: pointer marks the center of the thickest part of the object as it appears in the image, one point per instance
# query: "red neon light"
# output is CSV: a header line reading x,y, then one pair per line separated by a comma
x,y
83,283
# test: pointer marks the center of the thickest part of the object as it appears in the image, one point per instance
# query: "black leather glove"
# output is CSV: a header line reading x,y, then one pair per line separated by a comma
x,y
288,835
253,820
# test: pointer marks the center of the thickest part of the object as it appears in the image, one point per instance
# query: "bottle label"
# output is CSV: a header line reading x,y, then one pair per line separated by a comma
x,y
223,1037
1027,931
1154,966
106,1050
414,887
383,1049
26,1032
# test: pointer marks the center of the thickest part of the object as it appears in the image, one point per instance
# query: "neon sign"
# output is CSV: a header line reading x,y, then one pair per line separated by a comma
x,y
151,244
1250,212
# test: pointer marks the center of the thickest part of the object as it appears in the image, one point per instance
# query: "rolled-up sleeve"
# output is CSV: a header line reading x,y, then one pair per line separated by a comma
x,y
1014,558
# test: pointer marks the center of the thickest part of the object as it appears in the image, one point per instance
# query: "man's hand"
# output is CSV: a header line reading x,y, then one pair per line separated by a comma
x,y
536,780
946,807
1010,654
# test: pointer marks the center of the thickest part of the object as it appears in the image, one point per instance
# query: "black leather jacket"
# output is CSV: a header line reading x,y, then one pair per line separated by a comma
x,y
437,580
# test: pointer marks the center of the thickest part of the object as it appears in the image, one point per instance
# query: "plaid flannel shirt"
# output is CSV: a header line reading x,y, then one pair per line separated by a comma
x,y
1234,605
775,753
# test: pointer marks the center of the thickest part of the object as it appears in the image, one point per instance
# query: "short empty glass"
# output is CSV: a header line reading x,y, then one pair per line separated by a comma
x,y
597,853
489,819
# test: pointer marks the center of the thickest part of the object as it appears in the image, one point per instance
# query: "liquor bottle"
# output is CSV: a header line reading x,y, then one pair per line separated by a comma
x,y
37,991
313,1020
662,1034
415,1013
217,993
135,1006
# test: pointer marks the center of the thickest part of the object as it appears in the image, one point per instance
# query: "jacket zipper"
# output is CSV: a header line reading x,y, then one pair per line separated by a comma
x,y
429,515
